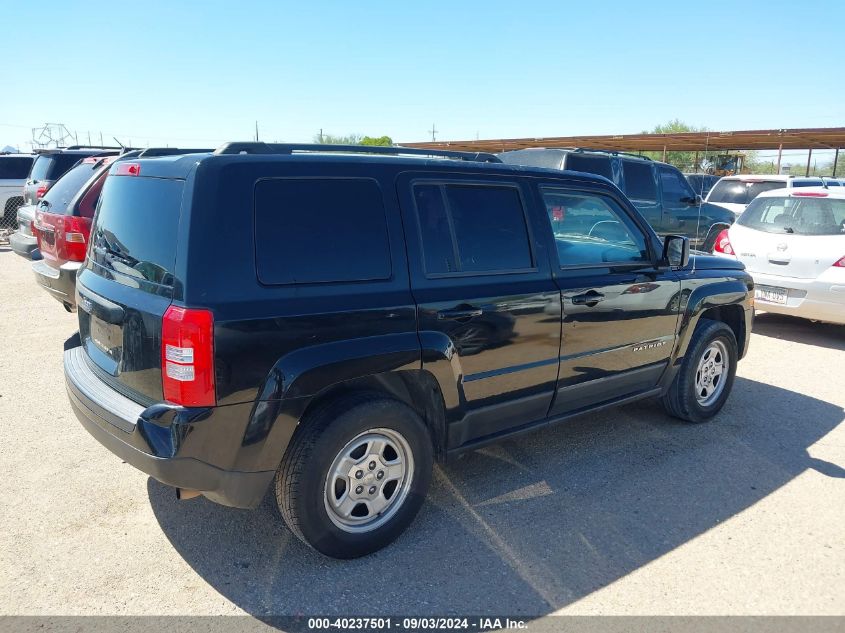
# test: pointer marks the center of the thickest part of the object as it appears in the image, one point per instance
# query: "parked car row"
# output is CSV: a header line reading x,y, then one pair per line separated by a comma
x,y
382,308
46,169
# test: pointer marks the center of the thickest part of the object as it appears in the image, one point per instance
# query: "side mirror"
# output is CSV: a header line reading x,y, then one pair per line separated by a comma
x,y
676,251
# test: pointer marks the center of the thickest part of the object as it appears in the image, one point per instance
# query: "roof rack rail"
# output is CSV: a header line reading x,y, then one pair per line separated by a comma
x,y
93,147
610,151
289,148
152,152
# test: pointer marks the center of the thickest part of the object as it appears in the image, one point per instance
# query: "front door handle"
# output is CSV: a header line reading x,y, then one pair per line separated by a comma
x,y
588,299
459,315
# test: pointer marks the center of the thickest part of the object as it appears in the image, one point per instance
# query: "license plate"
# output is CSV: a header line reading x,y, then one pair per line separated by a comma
x,y
771,294
104,335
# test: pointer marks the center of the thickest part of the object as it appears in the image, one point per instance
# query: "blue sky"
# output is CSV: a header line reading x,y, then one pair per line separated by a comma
x,y
189,73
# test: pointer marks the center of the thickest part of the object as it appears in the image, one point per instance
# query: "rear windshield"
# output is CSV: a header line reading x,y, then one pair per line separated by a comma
x,y
135,227
796,215
590,164
15,167
807,183
742,191
59,196
52,166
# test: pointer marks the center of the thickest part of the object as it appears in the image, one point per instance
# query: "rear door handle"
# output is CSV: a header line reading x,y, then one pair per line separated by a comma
x,y
588,299
459,315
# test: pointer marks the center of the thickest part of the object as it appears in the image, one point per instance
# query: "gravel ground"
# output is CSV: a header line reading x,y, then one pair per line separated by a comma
x,y
623,512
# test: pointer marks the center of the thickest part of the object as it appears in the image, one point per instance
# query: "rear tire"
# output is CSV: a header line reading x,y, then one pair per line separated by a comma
x,y
355,474
705,378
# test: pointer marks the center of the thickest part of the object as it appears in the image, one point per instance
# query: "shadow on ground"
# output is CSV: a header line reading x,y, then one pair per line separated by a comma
x,y
789,328
527,526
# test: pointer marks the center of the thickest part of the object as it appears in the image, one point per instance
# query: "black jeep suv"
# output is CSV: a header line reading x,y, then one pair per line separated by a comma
x,y
328,321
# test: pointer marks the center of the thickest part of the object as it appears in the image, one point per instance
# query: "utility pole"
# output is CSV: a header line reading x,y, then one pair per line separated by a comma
x,y
433,133
256,131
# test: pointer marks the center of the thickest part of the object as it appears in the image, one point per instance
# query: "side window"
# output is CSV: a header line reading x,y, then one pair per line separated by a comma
x,y
591,229
639,181
314,230
472,228
590,164
676,189
14,167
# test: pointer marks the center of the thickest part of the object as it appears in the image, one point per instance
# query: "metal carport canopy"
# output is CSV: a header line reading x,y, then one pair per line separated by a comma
x,y
799,138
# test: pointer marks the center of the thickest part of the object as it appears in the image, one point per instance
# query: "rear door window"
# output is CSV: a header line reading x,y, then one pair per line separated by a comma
x,y
15,167
676,189
320,230
639,181
472,228
135,227
590,164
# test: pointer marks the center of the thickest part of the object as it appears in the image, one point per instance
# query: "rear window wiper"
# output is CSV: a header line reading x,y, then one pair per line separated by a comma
x,y
788,229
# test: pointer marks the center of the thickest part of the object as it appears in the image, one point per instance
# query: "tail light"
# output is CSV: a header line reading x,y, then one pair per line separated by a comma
x,y
77,230
723,243
187,357
809,194
840,263
40,192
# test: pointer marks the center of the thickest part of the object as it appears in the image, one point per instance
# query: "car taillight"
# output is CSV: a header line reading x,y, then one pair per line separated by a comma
x,y
840,263
40,192
809,194
187,357
77,230
723,243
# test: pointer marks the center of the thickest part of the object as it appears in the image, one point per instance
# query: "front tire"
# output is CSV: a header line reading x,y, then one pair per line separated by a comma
x,y
705,378
355,475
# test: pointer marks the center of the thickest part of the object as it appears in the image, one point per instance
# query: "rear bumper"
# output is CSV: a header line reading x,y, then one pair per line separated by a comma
x,y
821,299
153,439
59,282
23,244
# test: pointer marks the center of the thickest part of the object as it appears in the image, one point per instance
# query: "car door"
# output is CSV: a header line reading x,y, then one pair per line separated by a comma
x,y
482,287
680,205
619,310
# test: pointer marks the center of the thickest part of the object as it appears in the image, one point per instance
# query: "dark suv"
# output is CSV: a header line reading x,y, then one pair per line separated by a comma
x,y
329,321
660,191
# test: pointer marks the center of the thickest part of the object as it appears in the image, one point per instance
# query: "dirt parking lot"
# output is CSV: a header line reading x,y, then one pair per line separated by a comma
x,y
622,512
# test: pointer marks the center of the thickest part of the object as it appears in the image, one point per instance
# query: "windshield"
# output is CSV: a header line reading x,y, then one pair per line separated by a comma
x,y
135,227
57,199
742,191
796,215
52,166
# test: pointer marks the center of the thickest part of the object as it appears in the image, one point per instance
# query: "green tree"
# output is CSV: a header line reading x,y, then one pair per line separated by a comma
x,y
352,139
685,161
381,141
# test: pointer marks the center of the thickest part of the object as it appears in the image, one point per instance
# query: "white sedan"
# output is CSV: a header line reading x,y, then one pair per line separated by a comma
x,y
792,241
